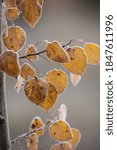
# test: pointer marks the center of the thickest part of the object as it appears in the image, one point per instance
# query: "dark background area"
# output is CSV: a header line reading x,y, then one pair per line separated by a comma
x,y
62,20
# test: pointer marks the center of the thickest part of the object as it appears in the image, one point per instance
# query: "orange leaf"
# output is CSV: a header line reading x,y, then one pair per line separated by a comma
x,y
15,39
55,52
61,146
36,90
60,131
57,78
51,98
9,63
78,60
12,11
93,53
31,11
76,138
32,50
36,124
27,70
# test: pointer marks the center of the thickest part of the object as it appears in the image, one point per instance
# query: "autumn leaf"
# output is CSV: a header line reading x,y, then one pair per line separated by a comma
x,y
27,70
12,11
60,131
16,38
31,50
78,62
36,90
31,11
76,138
9,63
61,146
55,52
51,98
93,53
36,124
57,78
32,142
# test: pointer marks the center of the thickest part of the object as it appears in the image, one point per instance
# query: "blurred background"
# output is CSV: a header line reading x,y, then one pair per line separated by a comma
x,y
62,20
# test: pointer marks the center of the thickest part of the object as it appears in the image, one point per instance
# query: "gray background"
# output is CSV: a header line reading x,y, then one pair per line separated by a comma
x,y
62,20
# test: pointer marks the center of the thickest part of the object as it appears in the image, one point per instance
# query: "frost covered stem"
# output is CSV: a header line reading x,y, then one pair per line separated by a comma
x,y
39,53
32,54
4,131
25,135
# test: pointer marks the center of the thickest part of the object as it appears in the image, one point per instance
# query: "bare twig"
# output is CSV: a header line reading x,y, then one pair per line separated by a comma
x,y
33,54
67,44
25,135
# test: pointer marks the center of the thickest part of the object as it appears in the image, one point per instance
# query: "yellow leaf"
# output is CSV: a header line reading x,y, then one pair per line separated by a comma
x,y
12,11
78,61
27,70
15,39
51,98
75,79
60,131
93,53
57,78
32,50
76,138
36,90
9,63
36,124
55,52
61,146
32,142
31,11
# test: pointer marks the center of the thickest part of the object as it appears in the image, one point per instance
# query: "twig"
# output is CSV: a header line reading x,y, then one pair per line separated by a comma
x,y
67,44
33,54
38,53
24,135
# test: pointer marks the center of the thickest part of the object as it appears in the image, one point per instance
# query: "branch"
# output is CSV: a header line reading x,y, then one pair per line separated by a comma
x,y
67,44
24,135
32,54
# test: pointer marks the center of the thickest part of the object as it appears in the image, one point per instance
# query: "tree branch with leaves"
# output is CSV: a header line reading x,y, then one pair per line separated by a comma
x,y
41,90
